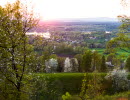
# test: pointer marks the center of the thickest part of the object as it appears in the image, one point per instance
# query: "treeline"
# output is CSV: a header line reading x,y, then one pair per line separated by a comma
x,y
89,61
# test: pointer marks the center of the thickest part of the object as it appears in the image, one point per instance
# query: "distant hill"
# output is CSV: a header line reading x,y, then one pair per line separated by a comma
x,y
96,19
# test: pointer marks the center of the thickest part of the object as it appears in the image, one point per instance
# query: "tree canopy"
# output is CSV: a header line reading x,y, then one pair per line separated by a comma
x,y
15,21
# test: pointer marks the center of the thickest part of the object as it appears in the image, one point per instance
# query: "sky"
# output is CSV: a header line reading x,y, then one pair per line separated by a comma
x,y
61,9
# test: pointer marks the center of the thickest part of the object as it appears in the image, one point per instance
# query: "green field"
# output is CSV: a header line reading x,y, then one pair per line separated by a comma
x,y
119,52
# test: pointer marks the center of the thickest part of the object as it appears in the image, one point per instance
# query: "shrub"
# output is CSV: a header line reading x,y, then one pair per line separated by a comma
x,y
67,96
119,79
91,88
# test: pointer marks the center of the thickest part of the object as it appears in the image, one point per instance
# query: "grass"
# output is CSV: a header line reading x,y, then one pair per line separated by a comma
x,y
69,82
58,74
119,96
100,50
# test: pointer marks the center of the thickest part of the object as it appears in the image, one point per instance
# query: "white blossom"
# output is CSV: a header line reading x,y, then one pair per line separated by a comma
x,y
119,79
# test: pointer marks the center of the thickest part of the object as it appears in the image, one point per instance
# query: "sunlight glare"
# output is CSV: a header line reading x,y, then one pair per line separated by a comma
x,y
60,9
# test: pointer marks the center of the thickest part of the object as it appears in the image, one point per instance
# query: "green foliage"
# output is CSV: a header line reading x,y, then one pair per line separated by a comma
x,y
67,80
122,41
90,61
38,43
79,58
111,56
64,48
124,28
127,65
52,86
60,64
67,96
80,49
120,96
87,61
53,56
103,65
15,50
55,85
92,88
119,80
116,61
96,61
36,63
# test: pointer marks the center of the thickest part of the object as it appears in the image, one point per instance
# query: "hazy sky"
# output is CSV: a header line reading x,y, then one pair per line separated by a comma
x,y
55,9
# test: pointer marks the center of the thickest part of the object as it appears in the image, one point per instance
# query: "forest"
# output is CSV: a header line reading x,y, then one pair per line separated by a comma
x,y
78,61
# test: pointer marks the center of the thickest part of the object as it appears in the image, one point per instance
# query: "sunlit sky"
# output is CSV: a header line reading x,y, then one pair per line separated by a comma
x,y
59,9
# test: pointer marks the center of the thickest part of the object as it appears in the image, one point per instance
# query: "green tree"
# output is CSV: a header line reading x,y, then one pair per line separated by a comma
x,y
91,87
60,64
79,58
96,60
38,43
122,41
127,65
94,87
103,65
53,56
38,63
87,61
14,47
111,57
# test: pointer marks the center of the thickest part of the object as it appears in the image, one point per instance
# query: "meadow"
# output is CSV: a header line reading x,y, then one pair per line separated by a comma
x,y
118,53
